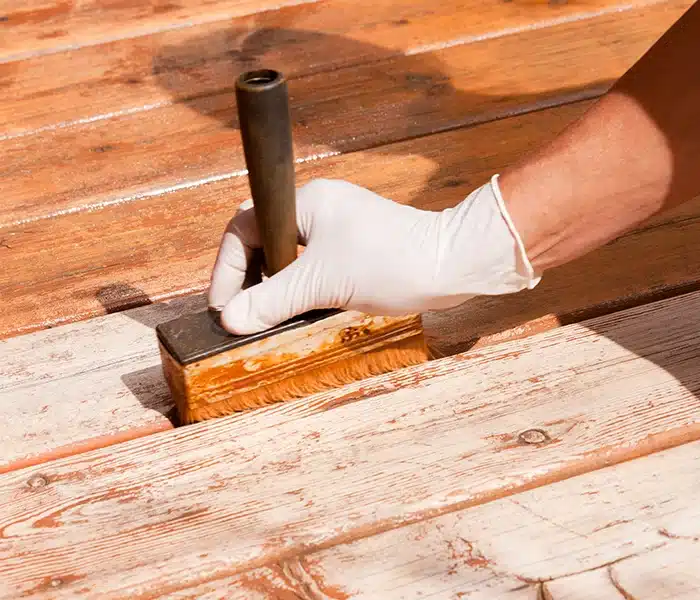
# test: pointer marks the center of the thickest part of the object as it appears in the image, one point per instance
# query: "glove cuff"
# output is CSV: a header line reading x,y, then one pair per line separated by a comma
x,y
480,250
523,264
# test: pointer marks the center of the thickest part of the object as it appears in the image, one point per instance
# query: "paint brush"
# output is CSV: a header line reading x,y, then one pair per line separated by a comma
x,y
213,373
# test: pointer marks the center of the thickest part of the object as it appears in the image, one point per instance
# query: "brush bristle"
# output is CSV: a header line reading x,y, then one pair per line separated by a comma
x,y
404,353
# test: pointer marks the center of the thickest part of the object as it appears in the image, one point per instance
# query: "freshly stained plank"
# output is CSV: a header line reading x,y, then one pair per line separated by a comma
x,y
138,74
239,492
117,160
74,267
34,27
67,268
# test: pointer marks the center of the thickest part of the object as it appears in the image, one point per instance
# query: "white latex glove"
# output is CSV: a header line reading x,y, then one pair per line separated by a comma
x,y
365,252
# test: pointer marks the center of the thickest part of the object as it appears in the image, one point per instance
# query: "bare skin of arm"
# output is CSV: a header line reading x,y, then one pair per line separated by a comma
x,y
634,154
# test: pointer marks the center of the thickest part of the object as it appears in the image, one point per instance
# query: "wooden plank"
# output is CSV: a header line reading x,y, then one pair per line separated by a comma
x,y
239,492
75,267
589,584
120,160
33,27
120,391
587,537
80,265
99,82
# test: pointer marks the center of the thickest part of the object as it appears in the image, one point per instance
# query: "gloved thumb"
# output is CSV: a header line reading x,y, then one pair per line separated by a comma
x,y
284,295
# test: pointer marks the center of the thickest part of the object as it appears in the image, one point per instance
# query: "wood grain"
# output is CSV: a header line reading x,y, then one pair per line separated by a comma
x,y
76,266
238,492
590,536
122,394
137,74
33,27
121,160
80,265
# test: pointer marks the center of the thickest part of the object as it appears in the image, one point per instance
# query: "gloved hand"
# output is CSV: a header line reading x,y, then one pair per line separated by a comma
x,y
365,252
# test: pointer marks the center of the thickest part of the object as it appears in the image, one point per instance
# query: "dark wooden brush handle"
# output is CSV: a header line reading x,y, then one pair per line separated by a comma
x,y
266,132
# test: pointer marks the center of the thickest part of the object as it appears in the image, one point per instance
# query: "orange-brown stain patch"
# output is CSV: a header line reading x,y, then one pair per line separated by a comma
x,y
612,524
50,583
24,17
49,521
501,437
350,334
269,582
314,570
463,552
165,7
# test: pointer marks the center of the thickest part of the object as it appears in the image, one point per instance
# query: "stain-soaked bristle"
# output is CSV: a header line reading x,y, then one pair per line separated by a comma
x,y
405,353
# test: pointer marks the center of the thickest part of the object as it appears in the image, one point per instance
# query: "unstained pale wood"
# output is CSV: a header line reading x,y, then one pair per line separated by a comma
x,y
608,527
120,160
137,74
585,537
238,492
85,385
669,572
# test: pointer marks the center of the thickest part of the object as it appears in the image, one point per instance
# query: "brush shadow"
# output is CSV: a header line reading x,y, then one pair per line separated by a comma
x,y
134,303
393,94
150,388
119,296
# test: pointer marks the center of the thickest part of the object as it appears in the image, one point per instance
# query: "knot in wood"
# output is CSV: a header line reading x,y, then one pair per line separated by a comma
x,y
534,436
56,582
37,481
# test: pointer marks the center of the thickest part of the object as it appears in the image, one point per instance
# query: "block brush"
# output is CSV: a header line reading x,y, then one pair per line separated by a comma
x,y
211,372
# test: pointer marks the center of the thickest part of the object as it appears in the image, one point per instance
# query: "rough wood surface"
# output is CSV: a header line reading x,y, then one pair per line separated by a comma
x,y
238,492
86,385
32,27
138,74
596,536
121,160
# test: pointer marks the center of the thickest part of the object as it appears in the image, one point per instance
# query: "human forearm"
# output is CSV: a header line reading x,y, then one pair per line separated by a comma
x,y
634,154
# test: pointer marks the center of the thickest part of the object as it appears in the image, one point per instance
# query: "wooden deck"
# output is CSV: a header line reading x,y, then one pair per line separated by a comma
x,y
552,454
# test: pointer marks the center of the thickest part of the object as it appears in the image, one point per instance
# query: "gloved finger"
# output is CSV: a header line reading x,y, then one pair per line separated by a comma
x,y
288,293
233,259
